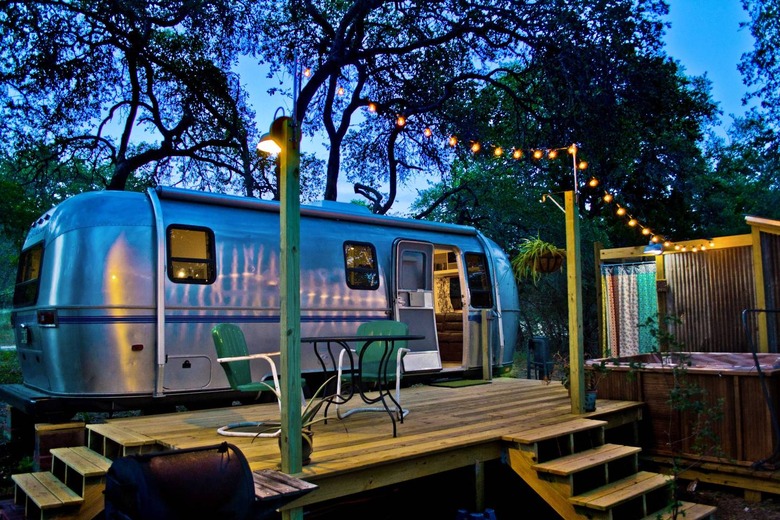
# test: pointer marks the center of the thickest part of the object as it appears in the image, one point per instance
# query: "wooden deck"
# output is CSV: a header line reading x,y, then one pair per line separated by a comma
x,y
446,429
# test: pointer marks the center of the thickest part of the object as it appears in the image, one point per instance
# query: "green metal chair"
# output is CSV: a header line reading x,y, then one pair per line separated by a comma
x,y
233,355
367,365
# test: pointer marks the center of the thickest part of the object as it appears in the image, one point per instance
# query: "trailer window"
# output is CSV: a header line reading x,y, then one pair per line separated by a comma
x,y
479,281
191,255
361,266
28,276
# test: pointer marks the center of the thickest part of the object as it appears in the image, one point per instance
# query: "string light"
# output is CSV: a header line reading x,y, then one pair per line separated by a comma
x,y
307,72
537,154
340,91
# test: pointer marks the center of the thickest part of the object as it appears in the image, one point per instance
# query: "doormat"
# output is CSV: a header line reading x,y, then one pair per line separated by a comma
x,y
458,383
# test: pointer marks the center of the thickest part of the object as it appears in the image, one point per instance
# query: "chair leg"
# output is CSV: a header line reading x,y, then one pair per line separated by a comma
x,y
265,427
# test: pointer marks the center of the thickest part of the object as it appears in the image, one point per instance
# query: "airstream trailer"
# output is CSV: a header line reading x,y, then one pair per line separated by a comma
x,y
117,293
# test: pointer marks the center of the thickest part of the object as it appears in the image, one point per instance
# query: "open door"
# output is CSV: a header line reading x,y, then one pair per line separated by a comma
x,y
414,302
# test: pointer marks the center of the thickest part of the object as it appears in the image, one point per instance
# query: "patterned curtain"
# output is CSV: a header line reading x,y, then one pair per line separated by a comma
x,y
630,298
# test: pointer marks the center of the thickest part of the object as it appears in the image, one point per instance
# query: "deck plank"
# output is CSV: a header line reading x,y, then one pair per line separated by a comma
x,y
445,427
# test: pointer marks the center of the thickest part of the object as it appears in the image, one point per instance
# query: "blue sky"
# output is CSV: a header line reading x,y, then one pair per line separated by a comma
x,y
706,38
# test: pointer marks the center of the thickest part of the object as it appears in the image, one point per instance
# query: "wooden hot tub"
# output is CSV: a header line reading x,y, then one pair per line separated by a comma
x,y
731,383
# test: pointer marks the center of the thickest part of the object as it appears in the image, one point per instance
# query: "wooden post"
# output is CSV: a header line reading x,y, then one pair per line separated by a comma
x,y
574,284
600,304
290,294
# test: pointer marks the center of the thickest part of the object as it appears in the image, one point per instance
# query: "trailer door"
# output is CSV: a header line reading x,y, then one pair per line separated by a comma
x,y
414,302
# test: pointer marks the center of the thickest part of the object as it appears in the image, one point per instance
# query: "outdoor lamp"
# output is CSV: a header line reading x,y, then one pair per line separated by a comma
x,y
268,145
654,248
273,141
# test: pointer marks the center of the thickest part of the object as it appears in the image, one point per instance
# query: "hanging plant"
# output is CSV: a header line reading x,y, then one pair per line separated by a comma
x,y
537,257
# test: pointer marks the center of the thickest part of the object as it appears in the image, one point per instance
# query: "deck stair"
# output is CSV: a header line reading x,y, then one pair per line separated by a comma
x,y
573,469
73,487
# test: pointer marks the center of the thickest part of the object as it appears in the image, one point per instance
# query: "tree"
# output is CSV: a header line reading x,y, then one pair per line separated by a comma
x,y
92,79
760,68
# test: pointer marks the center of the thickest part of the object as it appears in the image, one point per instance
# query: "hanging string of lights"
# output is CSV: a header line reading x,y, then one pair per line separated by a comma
x,y
518,153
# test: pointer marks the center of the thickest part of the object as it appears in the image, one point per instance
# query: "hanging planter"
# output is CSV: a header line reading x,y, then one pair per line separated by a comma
x,y
537,257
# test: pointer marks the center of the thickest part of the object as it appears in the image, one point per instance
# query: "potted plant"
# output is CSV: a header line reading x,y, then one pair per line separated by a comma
x,y
594,373
536,257
308,418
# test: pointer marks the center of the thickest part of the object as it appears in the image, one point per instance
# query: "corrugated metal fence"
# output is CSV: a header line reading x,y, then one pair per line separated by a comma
x,y
710,290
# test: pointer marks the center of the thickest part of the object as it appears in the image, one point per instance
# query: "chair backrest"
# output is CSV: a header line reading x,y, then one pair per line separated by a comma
x,y
230,342
541,349
373,356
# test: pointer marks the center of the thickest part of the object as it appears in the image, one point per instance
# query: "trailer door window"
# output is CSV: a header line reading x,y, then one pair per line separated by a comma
x,y
28,276
191,255
361,266
479,281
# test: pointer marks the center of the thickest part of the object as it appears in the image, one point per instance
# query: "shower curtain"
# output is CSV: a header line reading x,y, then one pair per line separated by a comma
x,y
629,299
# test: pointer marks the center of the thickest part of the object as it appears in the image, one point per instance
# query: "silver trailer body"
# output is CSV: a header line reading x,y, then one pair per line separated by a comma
x,y
117,292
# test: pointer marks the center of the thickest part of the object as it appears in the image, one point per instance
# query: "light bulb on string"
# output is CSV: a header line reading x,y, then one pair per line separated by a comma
x,y
498,152
620,210
552,154
572,149
372,107
583,165
401,121
340,91
428,132
475,147
593,182
607,197
307,72
517,153
632,222
538,154
453,141
646,231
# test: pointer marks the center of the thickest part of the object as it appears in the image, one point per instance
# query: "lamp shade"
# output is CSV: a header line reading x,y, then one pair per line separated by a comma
x,y
268,145
654,248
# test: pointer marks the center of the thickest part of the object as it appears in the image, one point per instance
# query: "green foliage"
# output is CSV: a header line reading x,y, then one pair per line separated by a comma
x,y
10,371
695,413
530,257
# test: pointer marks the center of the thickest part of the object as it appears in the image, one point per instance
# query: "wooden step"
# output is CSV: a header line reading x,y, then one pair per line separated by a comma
x,y
42,493
82,460
687,511
548,432
112,441
583,460
611,495
81,469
